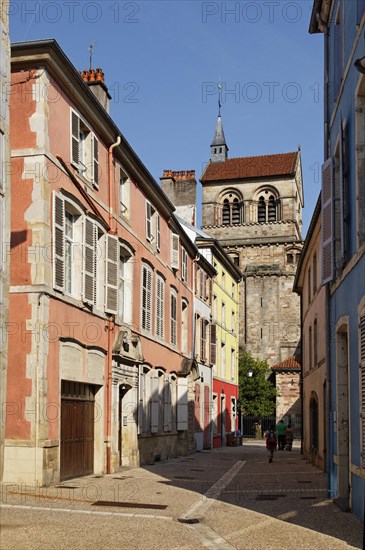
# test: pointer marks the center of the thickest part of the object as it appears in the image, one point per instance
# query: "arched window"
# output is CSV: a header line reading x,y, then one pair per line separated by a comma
x,y
268,207
314,423
231,210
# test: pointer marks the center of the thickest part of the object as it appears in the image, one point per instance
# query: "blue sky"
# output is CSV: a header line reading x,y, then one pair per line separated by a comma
x,y
162,61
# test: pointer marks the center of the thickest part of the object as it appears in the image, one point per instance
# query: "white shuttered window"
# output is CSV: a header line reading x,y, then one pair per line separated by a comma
x,y
173,317
111,274
146,298
327,222
160,293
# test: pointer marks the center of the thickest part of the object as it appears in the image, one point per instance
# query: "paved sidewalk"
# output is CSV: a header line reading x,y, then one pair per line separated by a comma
x,y
222,499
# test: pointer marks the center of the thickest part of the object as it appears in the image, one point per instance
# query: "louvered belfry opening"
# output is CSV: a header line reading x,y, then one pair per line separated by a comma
x,y
261,210
226,212
236,211
272,209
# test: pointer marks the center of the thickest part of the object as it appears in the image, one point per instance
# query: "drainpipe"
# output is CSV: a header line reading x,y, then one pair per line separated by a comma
x,y
111,320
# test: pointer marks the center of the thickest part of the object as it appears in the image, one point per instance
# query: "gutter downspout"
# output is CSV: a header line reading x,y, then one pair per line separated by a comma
x,y
111,320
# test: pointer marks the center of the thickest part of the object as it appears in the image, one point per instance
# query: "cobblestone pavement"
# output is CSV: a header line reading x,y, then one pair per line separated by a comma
x,y
222,499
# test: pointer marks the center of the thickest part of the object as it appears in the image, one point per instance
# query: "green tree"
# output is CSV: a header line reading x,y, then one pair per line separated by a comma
x,y
256,395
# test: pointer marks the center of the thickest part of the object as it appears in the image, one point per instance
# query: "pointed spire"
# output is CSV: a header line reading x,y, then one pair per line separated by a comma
x,y
218,147
219,138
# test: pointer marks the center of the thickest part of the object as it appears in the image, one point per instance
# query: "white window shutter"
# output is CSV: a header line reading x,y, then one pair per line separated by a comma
x,y
95,161
327,222
175,251
146,298
75,138
140,398
160,307
111,274
167,404
89,267
182,404
158,232
148,221
58,242
154,401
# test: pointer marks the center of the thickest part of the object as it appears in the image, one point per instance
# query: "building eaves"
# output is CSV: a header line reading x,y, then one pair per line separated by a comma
x,y
221,255
48,54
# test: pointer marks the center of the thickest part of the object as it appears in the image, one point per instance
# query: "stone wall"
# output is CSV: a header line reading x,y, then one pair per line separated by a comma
x,y
288,405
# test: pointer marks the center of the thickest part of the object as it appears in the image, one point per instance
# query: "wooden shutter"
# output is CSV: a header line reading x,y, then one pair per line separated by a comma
x,y
197,424
158,232
75,138
167,404
95,161
111,274
327,221
182,404
146,298
89,267
160,307
173,318
141,391
58,242
148,221
362,369
154,401
175,251
213,344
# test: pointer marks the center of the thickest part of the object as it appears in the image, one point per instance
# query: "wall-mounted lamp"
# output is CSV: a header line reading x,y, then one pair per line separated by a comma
x,y
250,373
360,64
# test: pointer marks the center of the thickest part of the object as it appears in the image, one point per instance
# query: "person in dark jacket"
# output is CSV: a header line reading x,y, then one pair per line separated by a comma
x,y
271,442
280,426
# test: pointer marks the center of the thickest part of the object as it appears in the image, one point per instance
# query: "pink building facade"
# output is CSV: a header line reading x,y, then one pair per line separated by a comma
x,y
102,285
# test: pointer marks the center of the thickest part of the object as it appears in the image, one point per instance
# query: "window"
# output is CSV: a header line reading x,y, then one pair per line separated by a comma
x,y
184,265
160,293
214,307
223,315
69,241
310,357
213,344
68,255
309,283
314,423
84,149
124,192
215,413
223,360
290,258
223,279
231,210
314,274
125,283
327,216
184,326
173,317
267,210
360,160
197,425
233,321
146,320
153,233
203,340
315,342
175,245
233,363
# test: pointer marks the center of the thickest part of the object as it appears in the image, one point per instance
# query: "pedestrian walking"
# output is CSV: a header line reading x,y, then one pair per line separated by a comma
x,y
281,427
271,442
289,436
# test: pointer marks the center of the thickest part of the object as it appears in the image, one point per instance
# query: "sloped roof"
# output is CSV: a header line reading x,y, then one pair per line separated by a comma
x,y
282,164
290,364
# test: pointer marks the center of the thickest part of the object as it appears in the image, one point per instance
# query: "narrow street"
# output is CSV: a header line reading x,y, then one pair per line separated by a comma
x,y
222,499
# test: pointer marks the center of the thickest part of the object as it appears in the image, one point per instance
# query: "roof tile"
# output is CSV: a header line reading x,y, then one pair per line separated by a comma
x,y
288,364
251,167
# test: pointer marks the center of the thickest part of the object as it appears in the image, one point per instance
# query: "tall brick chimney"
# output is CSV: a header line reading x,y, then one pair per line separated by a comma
x,y
95,80
180,187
